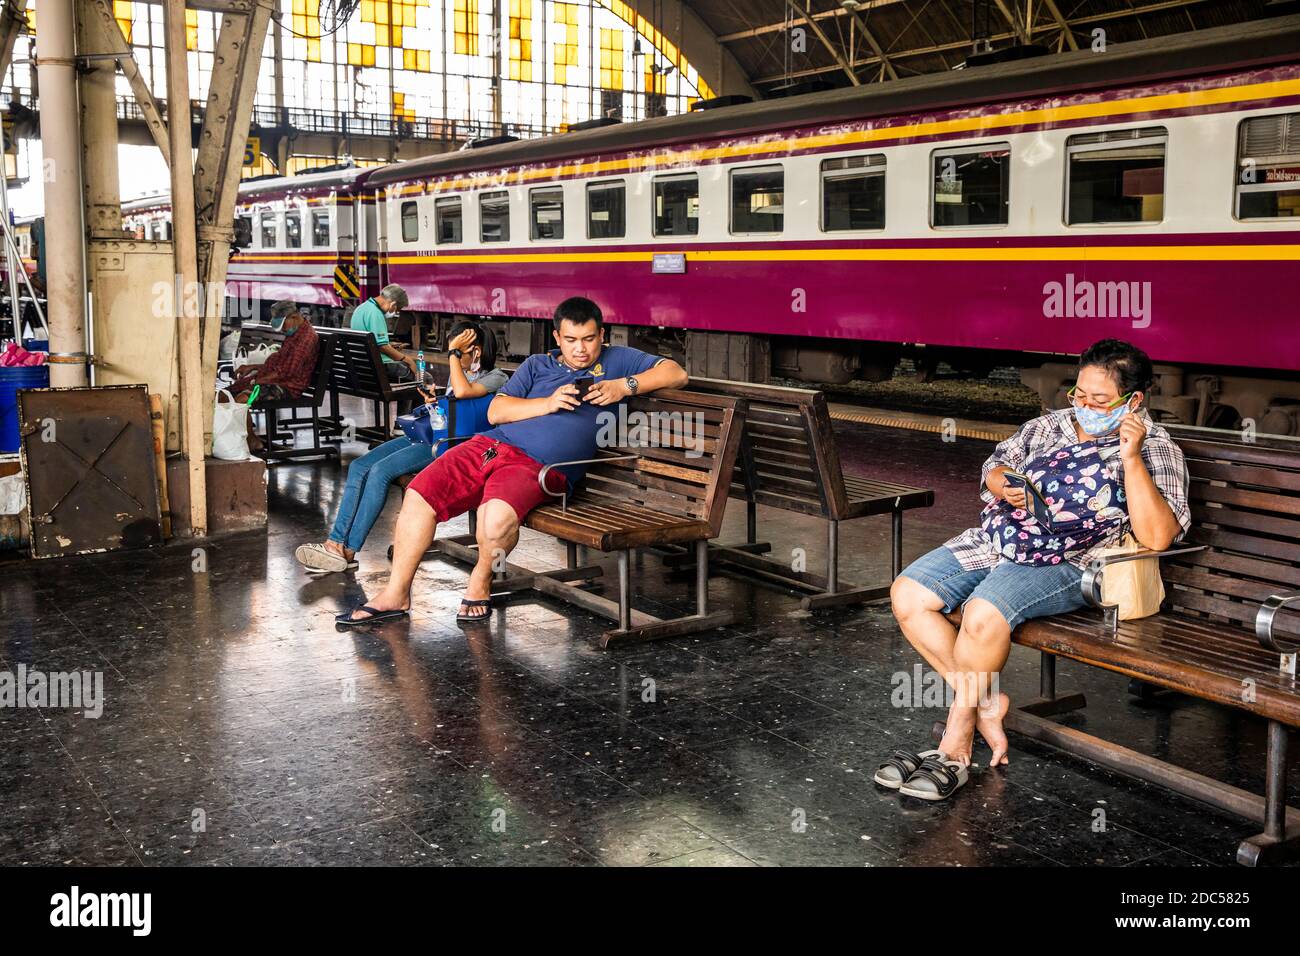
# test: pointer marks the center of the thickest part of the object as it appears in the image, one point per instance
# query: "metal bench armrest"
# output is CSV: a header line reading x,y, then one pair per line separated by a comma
x,y
452,439
1264,623
1090,584
564,495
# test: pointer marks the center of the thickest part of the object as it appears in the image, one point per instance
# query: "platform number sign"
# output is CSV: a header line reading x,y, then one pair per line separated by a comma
x,y
252,150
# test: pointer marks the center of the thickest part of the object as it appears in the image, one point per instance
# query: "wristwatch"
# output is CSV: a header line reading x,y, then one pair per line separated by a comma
x,y
455,353
632,384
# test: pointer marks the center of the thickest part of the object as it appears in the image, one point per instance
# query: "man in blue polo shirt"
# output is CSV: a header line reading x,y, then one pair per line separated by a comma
x,y
548,412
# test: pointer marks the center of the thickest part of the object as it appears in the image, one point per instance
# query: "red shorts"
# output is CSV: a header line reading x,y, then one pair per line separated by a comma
x,y
459,480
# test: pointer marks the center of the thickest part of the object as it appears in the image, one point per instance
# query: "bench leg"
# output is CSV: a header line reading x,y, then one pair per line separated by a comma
x,y
896,557
640,628
624,592
1048,703
1274,845
833,557
571,554
751,522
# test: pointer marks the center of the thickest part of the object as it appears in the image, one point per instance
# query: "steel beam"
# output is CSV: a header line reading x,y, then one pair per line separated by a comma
x,y
805,11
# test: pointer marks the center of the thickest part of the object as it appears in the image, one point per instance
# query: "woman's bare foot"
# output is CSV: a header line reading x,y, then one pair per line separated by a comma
x,y
383,601
988,721
959,735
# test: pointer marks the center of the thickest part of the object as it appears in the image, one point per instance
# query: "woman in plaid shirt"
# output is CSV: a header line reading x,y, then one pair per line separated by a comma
x,y
1104,469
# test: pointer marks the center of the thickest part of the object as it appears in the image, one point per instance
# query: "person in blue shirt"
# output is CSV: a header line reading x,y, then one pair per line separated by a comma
x,y
542,418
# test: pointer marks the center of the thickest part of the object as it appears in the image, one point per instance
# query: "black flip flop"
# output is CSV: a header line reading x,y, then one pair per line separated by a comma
x,y
347,620
474,602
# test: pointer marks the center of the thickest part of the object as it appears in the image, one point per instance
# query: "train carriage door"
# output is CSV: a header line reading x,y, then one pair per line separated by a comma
x,y
349,282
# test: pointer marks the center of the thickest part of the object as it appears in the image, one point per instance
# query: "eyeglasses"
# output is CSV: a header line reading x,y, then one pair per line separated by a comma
x,y
1078,401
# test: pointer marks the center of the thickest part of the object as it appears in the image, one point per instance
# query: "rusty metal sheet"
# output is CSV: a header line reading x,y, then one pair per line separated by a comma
x,y
88,459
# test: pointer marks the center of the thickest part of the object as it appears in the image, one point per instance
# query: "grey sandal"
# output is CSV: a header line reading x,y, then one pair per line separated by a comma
x,y
938,778
899,765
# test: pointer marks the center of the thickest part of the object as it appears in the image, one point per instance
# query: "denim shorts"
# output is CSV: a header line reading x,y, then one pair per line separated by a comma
x,y
1018,591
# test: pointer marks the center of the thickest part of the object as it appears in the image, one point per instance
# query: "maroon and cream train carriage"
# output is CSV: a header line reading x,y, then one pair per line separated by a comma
x,y
1150,192
1008,214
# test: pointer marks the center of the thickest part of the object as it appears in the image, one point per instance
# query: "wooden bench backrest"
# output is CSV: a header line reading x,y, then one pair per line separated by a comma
x,y
1245,502
788,457
358,365
320,379
685,468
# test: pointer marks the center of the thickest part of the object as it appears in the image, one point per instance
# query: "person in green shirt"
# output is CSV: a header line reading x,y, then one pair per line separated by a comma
x,y
372,316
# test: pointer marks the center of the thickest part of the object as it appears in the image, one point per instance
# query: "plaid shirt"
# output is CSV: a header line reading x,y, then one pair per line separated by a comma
x,y
295,361
974,549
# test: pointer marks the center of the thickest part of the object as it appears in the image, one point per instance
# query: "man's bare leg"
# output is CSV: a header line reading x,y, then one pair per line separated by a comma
x,y
416,524
497,533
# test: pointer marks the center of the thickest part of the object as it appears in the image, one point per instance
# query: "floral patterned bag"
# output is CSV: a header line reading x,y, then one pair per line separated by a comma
x,y
1086,500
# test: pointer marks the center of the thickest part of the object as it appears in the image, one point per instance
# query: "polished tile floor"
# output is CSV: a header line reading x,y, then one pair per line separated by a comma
x,y
240,727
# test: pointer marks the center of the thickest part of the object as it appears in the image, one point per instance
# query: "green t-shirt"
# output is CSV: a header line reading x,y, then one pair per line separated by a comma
x,y
369,317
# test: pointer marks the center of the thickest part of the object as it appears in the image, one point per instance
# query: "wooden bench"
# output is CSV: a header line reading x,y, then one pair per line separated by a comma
x,y
358,370
1223,634
788,460
649,490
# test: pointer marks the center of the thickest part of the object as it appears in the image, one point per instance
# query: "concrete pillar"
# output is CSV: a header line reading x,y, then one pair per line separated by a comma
x,y
65,236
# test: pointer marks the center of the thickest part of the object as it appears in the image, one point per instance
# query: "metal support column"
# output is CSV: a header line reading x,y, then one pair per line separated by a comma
x,y
65,235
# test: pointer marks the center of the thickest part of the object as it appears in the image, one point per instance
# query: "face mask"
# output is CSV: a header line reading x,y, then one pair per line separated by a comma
x,y
289,332
278,323
1099,423
475,365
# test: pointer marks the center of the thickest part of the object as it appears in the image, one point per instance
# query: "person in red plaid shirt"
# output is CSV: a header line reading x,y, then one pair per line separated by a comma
x,y
288,371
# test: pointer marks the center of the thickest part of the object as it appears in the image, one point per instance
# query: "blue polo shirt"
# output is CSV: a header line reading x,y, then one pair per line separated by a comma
x,y
565,435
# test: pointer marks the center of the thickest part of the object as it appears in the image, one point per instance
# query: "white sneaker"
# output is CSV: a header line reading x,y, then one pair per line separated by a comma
x,y
318,559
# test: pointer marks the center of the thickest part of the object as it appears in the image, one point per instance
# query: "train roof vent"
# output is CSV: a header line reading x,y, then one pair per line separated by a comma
x,y
596,123
718,102
483,141
1271,136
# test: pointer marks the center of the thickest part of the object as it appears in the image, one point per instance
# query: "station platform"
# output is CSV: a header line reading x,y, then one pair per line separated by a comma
x,y
231,699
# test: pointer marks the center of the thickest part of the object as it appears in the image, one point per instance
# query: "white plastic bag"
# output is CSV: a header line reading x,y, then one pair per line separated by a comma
x,y
256,356
230,429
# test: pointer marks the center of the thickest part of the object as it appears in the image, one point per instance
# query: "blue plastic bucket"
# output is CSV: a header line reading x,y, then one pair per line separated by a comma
x,y
36,345
11,380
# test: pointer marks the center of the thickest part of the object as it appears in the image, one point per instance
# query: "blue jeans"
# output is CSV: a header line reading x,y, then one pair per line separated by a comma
x,y
1018,591
366,490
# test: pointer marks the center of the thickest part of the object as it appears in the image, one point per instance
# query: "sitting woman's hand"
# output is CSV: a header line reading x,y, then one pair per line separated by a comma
x,y
1014,495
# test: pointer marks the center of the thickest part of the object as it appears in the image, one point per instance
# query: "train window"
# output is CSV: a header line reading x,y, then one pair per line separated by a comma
x,y
1116,176
447,220
494,216
971,187
547,211
269,229
758,199
320,227
606,210
1268,162
853,193
677,205
293,230
244,231
410,222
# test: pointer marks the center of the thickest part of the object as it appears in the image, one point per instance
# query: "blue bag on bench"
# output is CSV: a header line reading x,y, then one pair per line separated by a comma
x,y
470,418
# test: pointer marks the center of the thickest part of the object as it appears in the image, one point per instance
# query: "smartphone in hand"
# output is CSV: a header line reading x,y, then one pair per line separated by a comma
x,y
583,384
